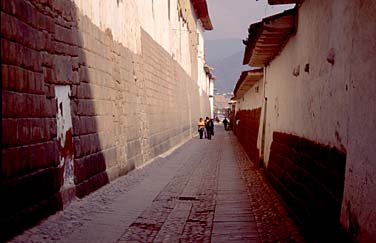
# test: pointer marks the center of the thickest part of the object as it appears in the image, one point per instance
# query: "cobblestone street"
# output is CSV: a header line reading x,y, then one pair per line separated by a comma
x,y
203,191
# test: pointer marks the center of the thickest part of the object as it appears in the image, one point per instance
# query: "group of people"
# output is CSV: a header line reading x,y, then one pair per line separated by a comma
x,y
205,128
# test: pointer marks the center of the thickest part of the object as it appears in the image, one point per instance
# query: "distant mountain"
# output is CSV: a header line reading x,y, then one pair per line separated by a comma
x,y
226,56
228,72
221,48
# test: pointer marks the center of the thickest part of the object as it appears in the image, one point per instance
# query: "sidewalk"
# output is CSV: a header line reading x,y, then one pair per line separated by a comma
x,y
204,191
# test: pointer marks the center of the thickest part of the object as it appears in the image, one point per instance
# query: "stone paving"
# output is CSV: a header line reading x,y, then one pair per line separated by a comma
x,y
203,191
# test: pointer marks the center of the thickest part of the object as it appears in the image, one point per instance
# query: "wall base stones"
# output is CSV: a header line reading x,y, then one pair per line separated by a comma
x,y
310,178
247,131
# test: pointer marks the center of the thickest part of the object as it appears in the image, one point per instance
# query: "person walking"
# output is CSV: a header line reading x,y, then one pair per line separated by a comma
x,y
201,127
225,123
209,128
212,126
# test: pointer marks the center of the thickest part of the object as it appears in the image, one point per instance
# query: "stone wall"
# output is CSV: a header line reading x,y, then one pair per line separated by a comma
x,y
310,177
79,109
247,131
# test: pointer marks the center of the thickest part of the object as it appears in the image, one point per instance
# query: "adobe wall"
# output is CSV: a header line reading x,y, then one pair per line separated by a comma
x,y
80,109
329,105
253,98
249,130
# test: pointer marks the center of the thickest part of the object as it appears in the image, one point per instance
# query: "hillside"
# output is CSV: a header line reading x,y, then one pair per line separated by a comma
x,y
226,56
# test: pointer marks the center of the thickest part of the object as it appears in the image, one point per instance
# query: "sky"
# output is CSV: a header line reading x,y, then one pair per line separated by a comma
x,y
231,18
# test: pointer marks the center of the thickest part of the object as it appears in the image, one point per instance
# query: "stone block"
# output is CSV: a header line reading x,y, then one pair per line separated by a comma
x,y
49,90
88,125
21,9
4,77
113,173
75,63
35,105
88,144
32,131
74,107
48,107
84,91
38,156
39,84
6,104
50,45
83,74
110,156
75,78
50,24
49,75
23,192
77,147
86,108
13,162
133,148
41,20
63,34
22,32
31,103
63,69
74,91
92,184
61,48
14,104
76,125
66,8
89,166
47,59
279,148
18,55
9,129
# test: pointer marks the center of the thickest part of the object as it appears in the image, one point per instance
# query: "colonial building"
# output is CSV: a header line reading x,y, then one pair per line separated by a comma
x,y
309,115
90,91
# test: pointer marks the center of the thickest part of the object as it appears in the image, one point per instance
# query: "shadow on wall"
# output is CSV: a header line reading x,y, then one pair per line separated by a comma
x,y
74,113
247,131
310,178
57,110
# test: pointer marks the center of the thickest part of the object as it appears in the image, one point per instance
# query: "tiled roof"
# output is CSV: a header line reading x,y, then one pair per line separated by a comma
x,y
267,37
246,81
201,9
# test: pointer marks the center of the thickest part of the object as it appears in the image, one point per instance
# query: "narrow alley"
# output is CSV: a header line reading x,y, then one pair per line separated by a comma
x,y
201,191
102,103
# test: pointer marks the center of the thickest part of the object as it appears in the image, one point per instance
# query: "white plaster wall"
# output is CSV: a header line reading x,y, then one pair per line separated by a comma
x,y
64,124
125,18
332,104
251,99
122,19
211,97
179,36
359,201
211,87
203,80
211,102
301,105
